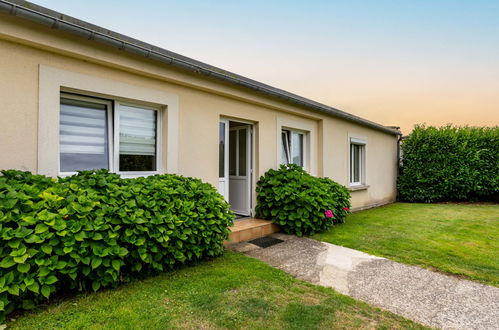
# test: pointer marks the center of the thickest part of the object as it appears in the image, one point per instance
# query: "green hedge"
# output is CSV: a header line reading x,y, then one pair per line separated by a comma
x,y
449,164
300,203
96,230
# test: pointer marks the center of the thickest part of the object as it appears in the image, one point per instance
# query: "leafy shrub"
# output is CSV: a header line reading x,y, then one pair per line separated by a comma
x,y
298,201
449,164
95,230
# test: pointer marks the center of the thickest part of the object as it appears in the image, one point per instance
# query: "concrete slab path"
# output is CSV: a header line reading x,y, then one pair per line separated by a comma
x,y
427,297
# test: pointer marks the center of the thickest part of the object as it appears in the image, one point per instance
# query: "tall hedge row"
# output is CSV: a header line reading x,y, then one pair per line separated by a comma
x,y
450,164
96,230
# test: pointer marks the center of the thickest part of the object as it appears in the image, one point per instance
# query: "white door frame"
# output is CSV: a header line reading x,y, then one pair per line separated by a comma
x,y
250,145
247,177
223,183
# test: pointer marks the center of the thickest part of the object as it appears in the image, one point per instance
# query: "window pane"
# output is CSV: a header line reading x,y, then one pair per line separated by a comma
x,y
284,147
83,138
221,151
232,152
356,162
137,139
242,152
351,162
297,151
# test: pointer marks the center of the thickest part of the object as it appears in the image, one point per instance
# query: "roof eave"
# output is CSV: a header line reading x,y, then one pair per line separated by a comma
x,y
48,17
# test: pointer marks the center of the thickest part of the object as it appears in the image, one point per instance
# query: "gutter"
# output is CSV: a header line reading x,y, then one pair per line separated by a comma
x,y
56,20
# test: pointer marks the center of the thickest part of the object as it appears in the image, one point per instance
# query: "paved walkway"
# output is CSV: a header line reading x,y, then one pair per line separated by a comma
x,y
424,296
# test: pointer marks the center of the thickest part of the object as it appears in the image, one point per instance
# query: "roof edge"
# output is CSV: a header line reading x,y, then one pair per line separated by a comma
x,y
35,13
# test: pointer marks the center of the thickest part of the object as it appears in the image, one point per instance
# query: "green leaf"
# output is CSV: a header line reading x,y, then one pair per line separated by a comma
x,y
34,287
116,264
45,291
41,228
95,285
21,259
14,289
28,281
86,271
97,236
9,277
44,271
61,264
80,236
50,279
14,243
23,268
96,261
7,262
47,249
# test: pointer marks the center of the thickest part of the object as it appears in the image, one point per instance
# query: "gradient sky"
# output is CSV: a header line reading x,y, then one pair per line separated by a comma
x,y
396,62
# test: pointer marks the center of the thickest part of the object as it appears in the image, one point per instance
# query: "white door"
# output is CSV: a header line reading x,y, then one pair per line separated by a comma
x,y
223,159
240,169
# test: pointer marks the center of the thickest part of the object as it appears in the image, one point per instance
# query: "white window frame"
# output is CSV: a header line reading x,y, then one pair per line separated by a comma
x,y
362,162
114,134
53,81
116,140
289,132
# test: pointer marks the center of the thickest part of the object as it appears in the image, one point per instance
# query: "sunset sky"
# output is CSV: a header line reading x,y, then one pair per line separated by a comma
x,y
397,62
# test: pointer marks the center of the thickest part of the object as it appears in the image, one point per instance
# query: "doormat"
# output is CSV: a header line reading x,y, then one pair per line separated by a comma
x,y
266,241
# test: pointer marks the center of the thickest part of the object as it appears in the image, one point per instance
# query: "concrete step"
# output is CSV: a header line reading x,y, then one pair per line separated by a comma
x,y
250,228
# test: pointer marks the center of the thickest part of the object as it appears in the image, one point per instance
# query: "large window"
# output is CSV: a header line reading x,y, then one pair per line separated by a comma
x,y
292,147
96,133
357,162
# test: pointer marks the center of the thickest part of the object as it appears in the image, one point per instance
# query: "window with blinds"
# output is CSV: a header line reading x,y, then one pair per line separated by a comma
x,y
137,139
83,135
86,135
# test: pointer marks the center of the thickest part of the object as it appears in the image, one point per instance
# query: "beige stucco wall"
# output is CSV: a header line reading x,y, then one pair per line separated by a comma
x,y
25,49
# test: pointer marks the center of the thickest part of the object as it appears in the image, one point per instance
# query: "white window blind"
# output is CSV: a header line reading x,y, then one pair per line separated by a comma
x,y
137,131
83,137
297,148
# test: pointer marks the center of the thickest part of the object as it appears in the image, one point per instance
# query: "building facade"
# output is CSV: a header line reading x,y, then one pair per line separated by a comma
x,y
76,96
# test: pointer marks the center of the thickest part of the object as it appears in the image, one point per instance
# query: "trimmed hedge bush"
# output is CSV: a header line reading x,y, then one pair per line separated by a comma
x,y
450,164
300,203
95,230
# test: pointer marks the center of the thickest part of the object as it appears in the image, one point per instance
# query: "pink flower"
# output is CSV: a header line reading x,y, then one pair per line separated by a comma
x,y
328,214
345,209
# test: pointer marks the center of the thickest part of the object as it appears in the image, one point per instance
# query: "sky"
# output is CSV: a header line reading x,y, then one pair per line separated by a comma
x,y
395,62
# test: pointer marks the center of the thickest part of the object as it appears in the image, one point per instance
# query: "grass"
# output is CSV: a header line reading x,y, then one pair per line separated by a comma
x,y
460,239
233,291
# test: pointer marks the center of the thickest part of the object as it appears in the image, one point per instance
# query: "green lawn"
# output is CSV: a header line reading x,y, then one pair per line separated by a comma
x,y
461,239
232,291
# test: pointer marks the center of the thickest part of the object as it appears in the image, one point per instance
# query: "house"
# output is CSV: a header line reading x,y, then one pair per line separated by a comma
x,y
76,96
